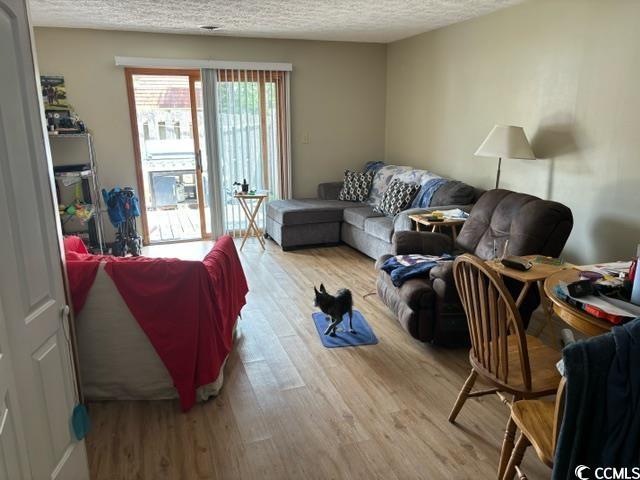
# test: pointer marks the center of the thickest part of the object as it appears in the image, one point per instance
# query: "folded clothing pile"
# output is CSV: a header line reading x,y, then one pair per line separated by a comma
x,y
404,267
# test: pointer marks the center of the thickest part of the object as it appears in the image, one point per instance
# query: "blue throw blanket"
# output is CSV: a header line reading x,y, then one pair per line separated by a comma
x,y
601,422
372,166
403,267
424,196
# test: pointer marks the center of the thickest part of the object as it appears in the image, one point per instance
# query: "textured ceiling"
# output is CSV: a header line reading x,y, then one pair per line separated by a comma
x,y
356,20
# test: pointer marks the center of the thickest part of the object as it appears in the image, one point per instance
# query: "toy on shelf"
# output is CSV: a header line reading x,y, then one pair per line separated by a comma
x,y
79,210
76,209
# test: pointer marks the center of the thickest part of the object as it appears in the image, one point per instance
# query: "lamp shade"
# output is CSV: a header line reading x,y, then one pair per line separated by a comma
x,y
506,141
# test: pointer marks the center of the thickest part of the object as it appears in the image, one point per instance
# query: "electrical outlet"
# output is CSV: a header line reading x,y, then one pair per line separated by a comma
x,y
305,138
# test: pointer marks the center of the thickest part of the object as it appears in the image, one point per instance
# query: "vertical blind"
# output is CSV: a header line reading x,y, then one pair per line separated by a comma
x,y
252,142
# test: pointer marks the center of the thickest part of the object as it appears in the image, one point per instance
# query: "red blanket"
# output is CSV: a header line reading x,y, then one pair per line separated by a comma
x,y
187,309
81,270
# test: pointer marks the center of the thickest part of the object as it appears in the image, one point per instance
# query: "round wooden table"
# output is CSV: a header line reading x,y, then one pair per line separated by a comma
x,y
578,319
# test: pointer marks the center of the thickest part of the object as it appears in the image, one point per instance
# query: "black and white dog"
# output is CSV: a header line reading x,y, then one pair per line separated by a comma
x,y
334,307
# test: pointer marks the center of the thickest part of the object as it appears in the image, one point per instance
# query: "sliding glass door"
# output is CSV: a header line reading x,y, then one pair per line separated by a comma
x,y
166,106
251,142
250,132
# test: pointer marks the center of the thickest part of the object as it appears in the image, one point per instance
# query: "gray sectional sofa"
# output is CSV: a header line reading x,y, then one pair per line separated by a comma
x,y
328,221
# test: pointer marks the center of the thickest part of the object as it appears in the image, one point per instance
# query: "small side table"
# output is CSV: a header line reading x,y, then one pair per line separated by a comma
x,y
251,211
421,219
537,274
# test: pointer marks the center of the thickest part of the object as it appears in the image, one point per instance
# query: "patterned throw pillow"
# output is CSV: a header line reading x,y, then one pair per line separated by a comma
x,y
397,197
356,186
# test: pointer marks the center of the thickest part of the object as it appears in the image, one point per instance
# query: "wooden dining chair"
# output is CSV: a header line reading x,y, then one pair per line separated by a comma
x,y
539,424
501,352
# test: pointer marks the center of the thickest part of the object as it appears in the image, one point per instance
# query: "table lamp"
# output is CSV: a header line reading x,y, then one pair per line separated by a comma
x,y
505,141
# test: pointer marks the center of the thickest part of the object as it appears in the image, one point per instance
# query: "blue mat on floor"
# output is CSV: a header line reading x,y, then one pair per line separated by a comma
x,y
364,334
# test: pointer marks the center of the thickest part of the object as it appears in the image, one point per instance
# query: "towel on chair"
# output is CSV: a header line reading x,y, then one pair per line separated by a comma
x,y
601,422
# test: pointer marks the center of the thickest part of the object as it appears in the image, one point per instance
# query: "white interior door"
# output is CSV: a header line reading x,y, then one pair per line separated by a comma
x,y
36,372
13,459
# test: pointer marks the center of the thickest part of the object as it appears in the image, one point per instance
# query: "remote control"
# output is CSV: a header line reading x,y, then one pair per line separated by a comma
x,y
516,263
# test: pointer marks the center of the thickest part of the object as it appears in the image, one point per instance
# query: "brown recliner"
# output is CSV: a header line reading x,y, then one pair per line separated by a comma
x,y
429,308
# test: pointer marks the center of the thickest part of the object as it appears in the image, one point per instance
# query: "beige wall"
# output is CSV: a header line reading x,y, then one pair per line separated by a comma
x,y
337,94
569,73
566,70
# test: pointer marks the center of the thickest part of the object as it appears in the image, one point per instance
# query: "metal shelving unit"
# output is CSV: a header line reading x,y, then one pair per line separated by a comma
x,y
88,174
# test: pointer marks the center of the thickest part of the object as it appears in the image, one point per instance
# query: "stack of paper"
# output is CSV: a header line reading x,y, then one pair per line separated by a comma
x,y
614,310
453,213
613,268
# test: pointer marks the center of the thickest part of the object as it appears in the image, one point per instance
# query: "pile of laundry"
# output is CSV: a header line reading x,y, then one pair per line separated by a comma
x,y
403,267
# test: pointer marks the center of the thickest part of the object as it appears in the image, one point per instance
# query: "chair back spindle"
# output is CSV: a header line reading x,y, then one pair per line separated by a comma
x,y
492,318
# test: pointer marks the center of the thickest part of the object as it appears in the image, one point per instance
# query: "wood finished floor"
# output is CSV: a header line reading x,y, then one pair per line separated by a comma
x,y
291,409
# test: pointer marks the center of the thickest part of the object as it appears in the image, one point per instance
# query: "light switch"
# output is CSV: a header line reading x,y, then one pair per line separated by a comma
x,y
305,138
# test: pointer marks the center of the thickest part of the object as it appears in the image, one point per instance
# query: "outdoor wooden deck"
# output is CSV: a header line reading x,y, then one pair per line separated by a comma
x,y
183,223
173,225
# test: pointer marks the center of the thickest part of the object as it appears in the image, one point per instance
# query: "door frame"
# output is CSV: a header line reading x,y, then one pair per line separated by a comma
x,y
194,76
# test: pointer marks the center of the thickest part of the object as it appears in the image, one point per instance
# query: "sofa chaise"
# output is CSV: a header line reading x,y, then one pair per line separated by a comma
x,y
325,220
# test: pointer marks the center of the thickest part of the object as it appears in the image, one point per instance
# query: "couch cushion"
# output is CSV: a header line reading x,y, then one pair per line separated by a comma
x,y
299,212
357,215
453,192
532,225
329,190
379,227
